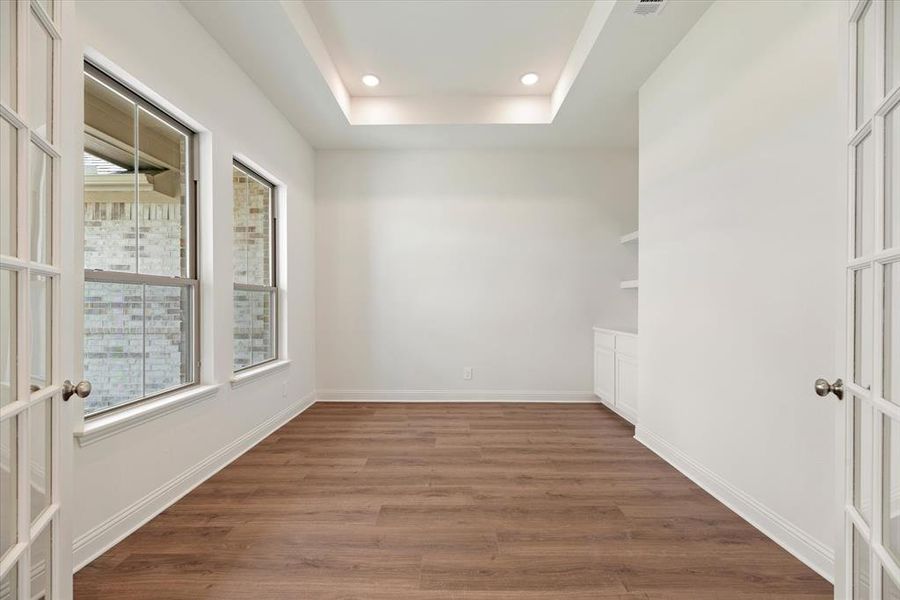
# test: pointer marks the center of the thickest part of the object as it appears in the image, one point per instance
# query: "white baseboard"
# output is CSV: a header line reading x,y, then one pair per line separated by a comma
x,y
816,555
104,536
455,396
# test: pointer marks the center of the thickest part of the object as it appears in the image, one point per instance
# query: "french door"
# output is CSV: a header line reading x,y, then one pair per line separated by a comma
x,y
870,551
33,420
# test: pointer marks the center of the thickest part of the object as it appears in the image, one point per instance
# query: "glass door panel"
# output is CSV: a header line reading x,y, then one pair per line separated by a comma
x,y
41,563
8,337
30,390
8,485
892,175
47,5
892,41
40,79
864,212
8,164
862,328
872,501
41,441
891,511
10,581
41,310
861,551
41,207
890,335
889,589
862,458
865,62
8,51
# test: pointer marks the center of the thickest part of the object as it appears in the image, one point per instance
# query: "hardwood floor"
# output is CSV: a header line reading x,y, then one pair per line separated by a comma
x,y
445,502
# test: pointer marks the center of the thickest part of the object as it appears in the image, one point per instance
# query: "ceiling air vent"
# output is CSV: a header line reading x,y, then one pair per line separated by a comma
x,y
649,7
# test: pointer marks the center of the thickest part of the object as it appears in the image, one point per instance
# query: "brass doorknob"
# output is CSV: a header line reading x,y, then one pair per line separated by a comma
x,y
823,388
82,389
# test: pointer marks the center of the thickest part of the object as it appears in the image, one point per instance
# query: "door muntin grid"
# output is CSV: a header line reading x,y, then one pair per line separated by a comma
x,y
29,260
872,506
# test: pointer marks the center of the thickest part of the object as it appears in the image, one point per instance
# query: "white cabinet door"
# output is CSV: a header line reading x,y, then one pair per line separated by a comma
x,y
626,344
626,386
604,373
605,340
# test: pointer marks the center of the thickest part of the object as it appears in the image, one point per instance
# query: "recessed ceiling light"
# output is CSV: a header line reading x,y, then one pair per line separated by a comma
x,y
529,79
370,80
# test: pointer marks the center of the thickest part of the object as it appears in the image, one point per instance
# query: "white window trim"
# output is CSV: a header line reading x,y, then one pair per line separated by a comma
x,y
109,424
250,374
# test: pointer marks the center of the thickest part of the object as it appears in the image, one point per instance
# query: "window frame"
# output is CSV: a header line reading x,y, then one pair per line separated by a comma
x,y
273,268
192,241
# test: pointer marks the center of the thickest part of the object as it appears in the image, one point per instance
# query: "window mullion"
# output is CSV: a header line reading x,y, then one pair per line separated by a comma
x,y
270,247
143,340
252,304
137,184
273,321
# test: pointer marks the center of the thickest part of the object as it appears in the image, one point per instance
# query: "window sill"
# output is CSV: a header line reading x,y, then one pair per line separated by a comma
x,y
254,373
105,426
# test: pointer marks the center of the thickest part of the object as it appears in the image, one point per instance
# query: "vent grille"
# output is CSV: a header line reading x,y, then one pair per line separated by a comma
x,y
649,7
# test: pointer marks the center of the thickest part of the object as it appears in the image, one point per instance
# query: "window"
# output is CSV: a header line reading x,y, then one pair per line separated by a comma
x,y
140,248
255,286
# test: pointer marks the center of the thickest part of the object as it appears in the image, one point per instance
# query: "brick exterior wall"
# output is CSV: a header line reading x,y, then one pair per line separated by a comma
x,y
137,338
252,310
126,355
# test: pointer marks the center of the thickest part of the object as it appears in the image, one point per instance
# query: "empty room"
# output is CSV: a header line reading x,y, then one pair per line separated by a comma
x,y
449,299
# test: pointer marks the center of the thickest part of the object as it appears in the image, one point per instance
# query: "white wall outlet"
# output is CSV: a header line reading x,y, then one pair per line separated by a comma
x,y
467,373
284,390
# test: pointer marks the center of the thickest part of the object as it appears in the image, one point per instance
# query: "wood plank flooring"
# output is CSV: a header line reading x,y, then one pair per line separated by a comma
x,y
447,502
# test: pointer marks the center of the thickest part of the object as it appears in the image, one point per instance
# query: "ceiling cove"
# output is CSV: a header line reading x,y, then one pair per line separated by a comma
x,y
448,62
450,72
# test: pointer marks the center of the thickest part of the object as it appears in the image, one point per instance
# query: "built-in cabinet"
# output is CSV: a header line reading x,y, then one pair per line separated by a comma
x,y
616,371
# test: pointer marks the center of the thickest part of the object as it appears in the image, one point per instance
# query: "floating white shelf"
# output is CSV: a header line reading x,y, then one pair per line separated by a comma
x,y
631,237
629,284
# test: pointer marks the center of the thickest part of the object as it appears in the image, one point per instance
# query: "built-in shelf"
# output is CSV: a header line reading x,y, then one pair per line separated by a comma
x,y
631,237
629,284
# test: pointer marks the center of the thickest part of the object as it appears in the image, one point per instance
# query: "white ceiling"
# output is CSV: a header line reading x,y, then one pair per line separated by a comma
x,y
442,47
446,66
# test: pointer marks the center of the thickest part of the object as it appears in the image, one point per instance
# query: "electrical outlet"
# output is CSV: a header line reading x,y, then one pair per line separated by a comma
x,y
467,373
284,390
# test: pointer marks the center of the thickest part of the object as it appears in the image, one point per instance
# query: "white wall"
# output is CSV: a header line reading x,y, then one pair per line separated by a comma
x,y
741,183
430,261
159,45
